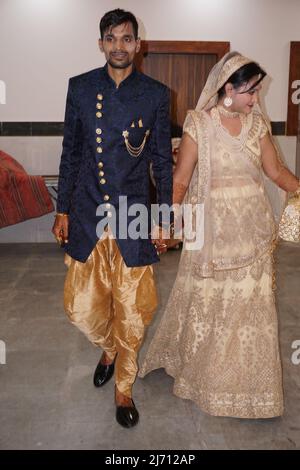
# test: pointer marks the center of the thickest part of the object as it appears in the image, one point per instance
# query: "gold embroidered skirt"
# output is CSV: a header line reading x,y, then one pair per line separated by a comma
x,y
111,304
219,341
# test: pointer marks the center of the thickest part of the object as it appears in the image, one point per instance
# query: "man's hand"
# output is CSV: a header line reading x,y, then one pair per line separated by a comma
x,y
60,228
159,238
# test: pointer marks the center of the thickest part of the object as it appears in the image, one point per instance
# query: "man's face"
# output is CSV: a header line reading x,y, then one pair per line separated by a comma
x,y
120,46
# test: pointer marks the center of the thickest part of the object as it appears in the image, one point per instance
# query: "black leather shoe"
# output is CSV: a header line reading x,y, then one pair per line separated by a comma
x,y
103,373
127,416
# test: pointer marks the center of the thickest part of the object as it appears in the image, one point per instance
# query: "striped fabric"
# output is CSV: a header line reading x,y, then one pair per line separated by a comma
x,y
22,196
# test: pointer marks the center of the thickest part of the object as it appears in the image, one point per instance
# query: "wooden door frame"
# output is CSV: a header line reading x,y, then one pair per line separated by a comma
x,y
219,48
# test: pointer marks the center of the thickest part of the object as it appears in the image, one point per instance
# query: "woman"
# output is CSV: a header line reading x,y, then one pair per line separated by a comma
x,y
218,337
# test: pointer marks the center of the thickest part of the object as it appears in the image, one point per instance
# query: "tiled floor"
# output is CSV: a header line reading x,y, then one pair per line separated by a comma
x,y
48,401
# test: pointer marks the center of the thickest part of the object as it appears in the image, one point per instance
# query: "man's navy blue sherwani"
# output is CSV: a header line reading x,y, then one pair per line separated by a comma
x,y
96,166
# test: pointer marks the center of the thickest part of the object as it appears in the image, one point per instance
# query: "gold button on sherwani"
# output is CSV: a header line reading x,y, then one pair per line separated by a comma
x,y
98,131
99,149
102,181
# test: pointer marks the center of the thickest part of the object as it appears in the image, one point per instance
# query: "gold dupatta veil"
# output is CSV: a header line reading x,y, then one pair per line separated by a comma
x,y
218,76
200,254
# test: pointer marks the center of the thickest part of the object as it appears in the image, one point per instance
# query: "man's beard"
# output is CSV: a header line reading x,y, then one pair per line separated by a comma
x,y
121,65
117,64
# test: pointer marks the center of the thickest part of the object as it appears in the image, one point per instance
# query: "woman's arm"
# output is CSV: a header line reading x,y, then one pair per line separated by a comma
x,y
275,169
187,158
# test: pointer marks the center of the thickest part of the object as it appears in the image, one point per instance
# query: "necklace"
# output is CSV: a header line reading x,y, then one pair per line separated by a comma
x,y
226,113
235,143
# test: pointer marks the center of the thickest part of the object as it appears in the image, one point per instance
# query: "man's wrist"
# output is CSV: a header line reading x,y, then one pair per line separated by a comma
x,y
62,214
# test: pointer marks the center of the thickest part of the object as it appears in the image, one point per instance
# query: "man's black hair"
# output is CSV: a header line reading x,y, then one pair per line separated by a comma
x,y
115,18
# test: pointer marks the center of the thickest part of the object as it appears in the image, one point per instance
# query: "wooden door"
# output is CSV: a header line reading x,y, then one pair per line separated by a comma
x,y
183,66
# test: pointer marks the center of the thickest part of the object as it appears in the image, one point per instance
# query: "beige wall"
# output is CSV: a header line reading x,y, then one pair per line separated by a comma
x,y
44,42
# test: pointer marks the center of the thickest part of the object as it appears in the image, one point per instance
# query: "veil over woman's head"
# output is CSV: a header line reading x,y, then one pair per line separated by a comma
x,y
218,76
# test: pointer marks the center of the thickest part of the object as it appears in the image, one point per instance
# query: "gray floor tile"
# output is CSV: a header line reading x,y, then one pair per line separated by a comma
x,y
48,400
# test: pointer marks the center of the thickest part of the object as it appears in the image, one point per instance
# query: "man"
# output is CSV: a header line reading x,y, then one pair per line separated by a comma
x,y
116,122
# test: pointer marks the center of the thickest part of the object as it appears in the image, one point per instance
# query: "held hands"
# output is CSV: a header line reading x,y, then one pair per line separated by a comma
x,y
176,235
164,239
60,228
159,238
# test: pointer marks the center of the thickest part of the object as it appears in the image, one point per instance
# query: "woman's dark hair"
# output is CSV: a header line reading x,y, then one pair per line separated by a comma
x,y
115,18
242,77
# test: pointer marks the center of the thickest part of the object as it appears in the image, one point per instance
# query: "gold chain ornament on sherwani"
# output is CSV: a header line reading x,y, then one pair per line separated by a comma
x,y
134,151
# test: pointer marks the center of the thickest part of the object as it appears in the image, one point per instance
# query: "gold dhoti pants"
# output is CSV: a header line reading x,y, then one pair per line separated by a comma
x,y
111,304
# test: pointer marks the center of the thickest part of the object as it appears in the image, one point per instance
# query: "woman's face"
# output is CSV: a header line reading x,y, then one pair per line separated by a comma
x,y
245,97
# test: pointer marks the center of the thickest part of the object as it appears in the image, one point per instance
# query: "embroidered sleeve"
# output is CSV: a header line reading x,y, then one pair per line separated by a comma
x,y
189,126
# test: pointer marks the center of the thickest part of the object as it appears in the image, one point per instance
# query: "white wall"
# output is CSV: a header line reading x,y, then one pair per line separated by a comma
x,y
38,155
44,42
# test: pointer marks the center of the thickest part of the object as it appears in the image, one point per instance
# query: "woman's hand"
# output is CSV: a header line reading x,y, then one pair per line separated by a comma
x,y
159,238
275,169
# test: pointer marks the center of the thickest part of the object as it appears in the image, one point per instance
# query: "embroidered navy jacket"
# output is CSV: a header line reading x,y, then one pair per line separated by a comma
x,y
96,164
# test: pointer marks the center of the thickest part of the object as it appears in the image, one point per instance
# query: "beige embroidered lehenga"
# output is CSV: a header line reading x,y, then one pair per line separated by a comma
x,y
218,337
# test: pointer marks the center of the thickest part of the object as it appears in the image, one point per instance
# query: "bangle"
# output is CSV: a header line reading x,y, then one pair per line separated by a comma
x,y
62,214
